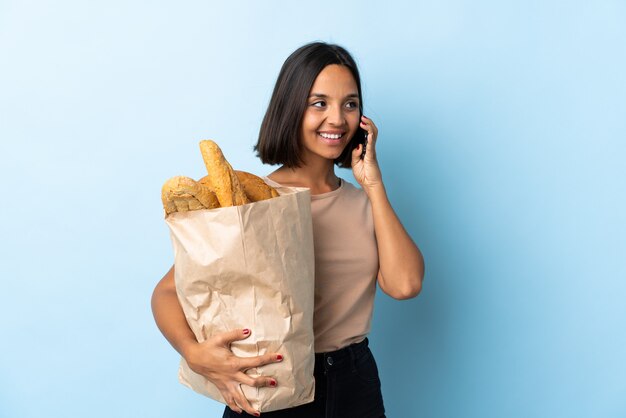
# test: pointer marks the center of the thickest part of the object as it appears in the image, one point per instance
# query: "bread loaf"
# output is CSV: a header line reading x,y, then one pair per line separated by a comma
x,y
222,179
181,194
253,186
222,187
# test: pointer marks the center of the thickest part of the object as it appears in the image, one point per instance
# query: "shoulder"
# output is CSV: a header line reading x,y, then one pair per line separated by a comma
x,y
356,201
354,193
352,189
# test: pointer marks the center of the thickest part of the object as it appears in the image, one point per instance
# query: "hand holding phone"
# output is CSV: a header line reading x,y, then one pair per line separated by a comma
x,y
364,145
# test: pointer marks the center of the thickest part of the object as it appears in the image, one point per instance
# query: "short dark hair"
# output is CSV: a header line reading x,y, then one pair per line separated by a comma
x,y
279,136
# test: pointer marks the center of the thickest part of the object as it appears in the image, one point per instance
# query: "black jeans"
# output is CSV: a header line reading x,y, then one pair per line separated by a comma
x,y
346,386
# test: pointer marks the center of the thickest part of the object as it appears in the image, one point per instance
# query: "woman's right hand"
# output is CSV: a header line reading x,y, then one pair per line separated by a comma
x,y
214,360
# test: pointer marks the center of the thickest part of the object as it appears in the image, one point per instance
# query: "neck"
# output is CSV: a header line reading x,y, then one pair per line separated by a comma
x,y
319,176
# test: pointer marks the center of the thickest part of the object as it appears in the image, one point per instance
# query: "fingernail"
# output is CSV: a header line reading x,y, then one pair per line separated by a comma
x,y
279,357
272,383
257,414
246,331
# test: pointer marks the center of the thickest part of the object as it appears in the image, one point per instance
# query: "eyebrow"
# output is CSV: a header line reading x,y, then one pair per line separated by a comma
x,y
324,96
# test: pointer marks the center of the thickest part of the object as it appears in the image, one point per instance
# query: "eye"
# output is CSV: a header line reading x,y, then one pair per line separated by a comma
x,y
352,105
320,103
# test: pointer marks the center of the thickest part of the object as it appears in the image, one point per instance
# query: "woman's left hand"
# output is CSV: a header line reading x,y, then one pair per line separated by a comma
x,y
366,171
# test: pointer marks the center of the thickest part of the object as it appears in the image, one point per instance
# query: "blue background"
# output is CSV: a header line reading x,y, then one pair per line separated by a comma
x,y
502,129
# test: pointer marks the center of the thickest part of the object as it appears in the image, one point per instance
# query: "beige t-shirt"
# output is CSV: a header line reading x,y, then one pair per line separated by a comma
x,y
346,266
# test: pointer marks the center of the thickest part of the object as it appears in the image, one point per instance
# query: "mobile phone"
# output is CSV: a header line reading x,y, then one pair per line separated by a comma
x,y
361,138
364,144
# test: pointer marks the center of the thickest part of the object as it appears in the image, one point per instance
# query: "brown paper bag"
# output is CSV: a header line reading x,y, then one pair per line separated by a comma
x,y
251,266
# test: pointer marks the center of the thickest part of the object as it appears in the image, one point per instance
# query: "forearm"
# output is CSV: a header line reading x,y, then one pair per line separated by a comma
x,y
401,262
169,316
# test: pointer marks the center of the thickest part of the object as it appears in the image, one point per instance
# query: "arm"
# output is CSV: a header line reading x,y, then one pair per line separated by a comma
x,y
212,358
169,316
401,262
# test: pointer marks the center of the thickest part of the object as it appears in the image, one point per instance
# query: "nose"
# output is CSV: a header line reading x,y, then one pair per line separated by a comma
x,y
336,116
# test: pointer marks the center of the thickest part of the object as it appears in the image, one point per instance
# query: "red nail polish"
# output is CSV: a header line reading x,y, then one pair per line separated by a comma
x,y
272,383
279,357
246,331
256,414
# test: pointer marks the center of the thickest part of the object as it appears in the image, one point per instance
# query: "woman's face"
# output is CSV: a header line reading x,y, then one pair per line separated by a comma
x,y
332,114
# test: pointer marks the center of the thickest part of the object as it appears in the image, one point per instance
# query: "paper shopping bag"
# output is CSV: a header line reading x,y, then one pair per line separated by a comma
x,y
251,266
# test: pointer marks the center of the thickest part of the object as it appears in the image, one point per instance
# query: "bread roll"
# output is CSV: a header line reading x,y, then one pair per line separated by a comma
x,y
181,194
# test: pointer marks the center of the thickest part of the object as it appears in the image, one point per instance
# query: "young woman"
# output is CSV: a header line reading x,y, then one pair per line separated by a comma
x,y
314,121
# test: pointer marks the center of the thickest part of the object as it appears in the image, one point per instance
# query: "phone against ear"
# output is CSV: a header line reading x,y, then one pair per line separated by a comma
x,y
364,144
361,138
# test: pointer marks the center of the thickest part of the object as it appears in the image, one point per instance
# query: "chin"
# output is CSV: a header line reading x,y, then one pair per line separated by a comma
x,y
327,152
334,155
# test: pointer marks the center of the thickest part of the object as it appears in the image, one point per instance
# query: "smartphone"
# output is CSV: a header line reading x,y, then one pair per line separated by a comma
x,y
361,138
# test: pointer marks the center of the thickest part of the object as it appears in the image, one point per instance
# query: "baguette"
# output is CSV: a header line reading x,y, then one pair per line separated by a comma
x,y
253,186
222,178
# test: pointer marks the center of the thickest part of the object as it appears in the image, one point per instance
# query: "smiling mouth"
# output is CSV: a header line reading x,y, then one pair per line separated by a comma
x,y
330,136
